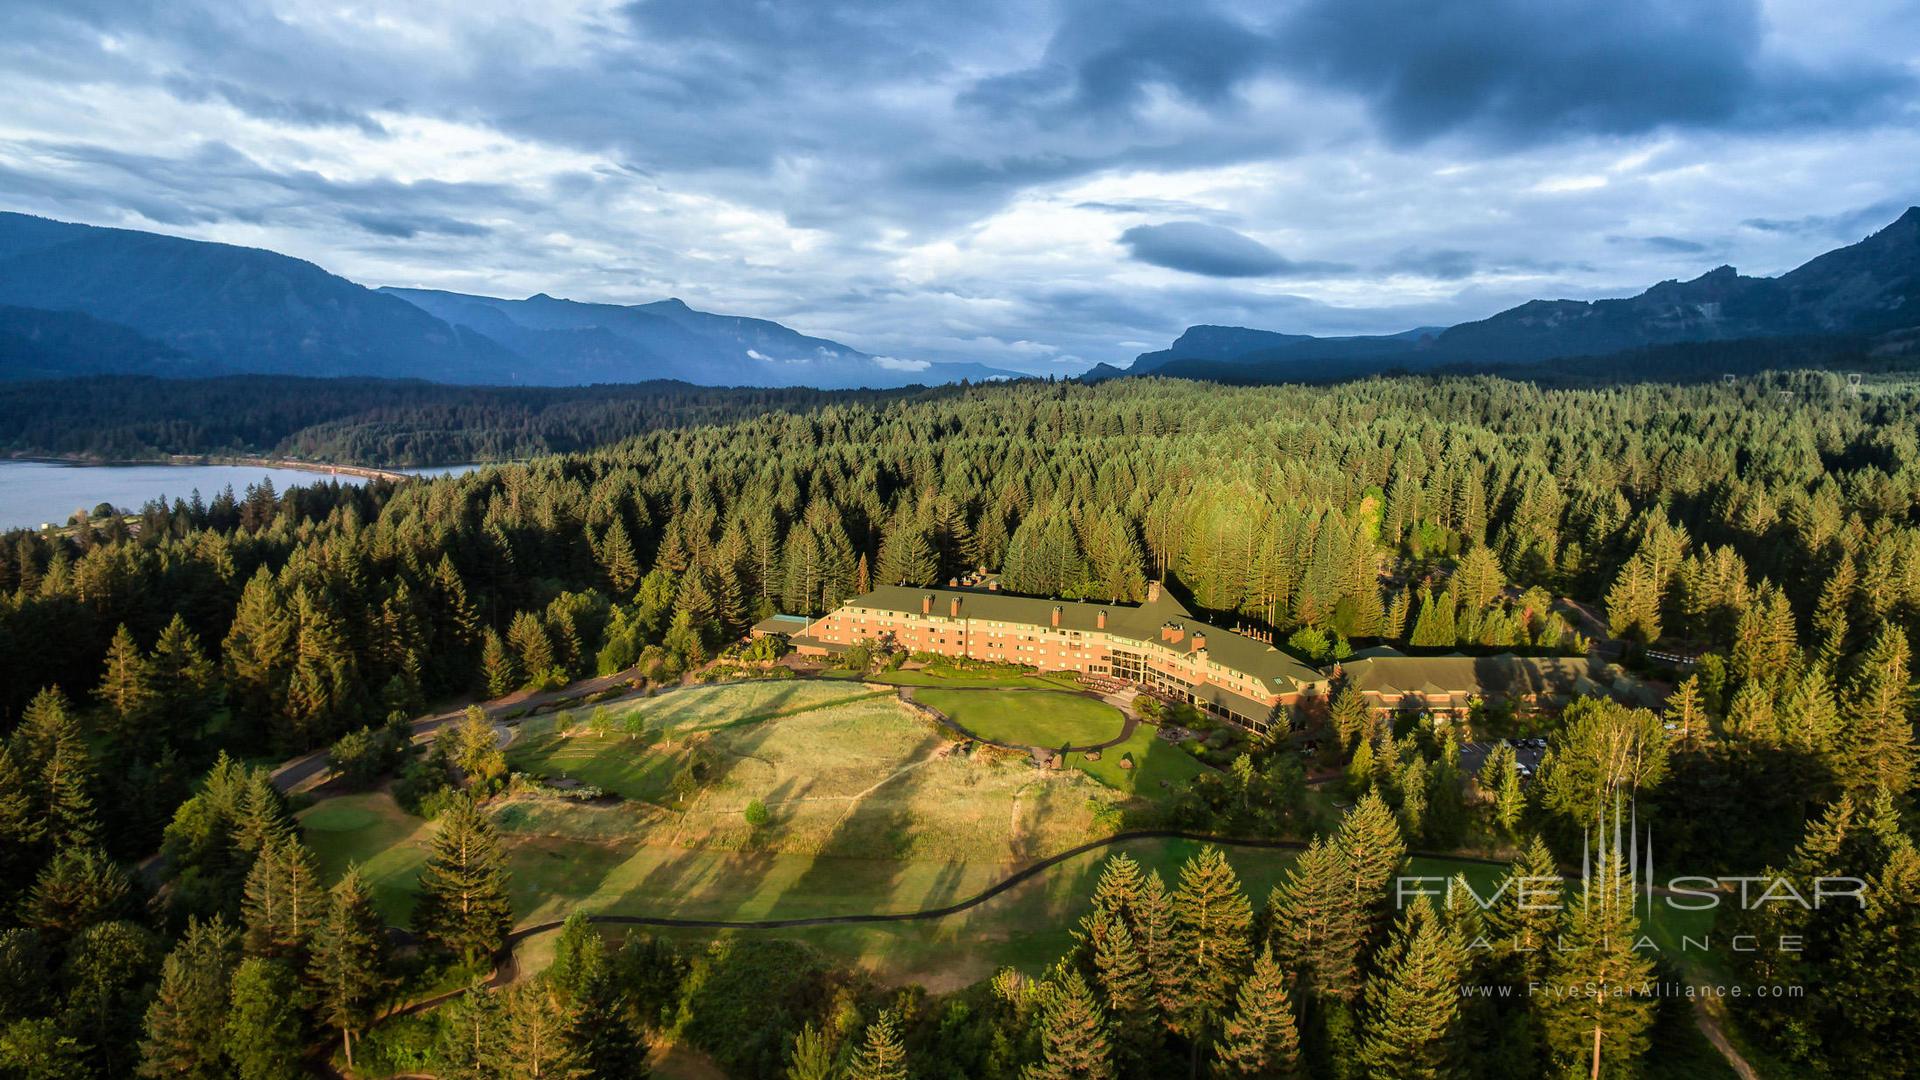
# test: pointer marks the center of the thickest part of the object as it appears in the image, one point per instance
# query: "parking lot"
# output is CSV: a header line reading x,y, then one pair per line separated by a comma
x,y
1527,751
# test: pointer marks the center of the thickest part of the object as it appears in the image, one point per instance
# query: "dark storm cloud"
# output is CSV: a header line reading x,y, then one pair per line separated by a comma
x,y
1214,251
1528,70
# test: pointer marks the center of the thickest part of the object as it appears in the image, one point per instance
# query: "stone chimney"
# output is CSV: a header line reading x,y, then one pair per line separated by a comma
x,y
926,604
1153,591
953,609
1100,619
1056,616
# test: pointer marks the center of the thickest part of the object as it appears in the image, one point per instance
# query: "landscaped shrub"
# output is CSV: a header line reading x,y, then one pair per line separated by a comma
x,y
756,813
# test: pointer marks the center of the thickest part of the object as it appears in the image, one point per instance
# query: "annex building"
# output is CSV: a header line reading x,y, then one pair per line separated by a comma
x,y
1158,644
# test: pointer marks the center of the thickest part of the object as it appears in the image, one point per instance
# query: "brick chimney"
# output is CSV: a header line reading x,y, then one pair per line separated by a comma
x,y
926,604
1199,642
1173,633
953,609
1100,619
1153,591
1056,616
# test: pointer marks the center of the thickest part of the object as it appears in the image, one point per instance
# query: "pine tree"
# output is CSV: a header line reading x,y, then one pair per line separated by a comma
x,y
52,754
1153,934
265,1031
258,649
1349,716
185,1025
187,682
881,1055
1524,917
531,645
1370,839
126,690
282,903
80,887
601,1037
1880,751
812,1055
1261,1039
497,667
1879,952
1595,971
1073,1035
463,904
534,1043
21,830
1125,988
472,1040
1687,712
1212,944
617,560
1319,924
1413,1000
349,959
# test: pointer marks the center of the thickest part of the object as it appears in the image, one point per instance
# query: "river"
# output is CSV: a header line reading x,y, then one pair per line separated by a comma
x,y
37,492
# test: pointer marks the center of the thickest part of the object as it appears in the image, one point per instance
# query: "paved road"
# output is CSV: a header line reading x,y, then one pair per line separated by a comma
x,y
301,769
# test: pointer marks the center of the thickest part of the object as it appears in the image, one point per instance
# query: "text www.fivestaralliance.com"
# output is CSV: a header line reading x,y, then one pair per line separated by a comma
x,y
1644,990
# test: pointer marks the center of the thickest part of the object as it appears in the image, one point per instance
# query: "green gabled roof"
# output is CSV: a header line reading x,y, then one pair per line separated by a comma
x,y
1141,622
1503,674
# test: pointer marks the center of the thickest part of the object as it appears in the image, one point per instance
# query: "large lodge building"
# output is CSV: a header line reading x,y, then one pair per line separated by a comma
x,y
1158,644
1161,646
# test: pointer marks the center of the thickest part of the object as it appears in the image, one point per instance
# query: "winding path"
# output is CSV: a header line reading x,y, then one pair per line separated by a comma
x,y
504,973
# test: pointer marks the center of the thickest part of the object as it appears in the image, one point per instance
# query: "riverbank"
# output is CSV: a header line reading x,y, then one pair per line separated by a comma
x,y
364,472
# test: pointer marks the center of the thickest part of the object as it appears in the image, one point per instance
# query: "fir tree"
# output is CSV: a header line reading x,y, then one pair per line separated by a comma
x,y
1880,751
282,903
349,959
534,1043
603,1040
1125,988
126,690
1073,1035
1413,1000
1524,917
1370,839
812,1055
185,1025
1594,1016
463,904
1212,944
1261,1039
497,667
881,1055
80,887
1319,924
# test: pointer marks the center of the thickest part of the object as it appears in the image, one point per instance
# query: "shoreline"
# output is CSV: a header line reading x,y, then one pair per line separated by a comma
x,y
323,468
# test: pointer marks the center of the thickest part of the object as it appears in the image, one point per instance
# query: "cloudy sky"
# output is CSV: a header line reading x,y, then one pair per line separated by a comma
x,y
1029,185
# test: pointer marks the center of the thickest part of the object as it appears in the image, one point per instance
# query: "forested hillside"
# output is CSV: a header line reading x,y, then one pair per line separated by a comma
x,y
1774,534
378,422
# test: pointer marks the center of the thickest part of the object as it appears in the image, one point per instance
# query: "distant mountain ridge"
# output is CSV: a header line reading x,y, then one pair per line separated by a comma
x,y
167,306
1867,288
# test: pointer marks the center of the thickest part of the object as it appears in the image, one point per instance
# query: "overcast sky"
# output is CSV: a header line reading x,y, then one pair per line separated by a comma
x,y
1029,185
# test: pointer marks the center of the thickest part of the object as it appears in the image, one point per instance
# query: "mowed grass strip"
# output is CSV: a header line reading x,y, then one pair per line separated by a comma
x,y
389,844
1028,717
1159,767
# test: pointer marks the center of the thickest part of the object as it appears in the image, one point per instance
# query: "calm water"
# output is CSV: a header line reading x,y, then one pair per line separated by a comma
x,y
32,492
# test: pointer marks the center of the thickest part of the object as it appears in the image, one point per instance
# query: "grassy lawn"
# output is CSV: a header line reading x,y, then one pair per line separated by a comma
x,y
958,678
370,829
1026,927
870,808
1028,717
1159,767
